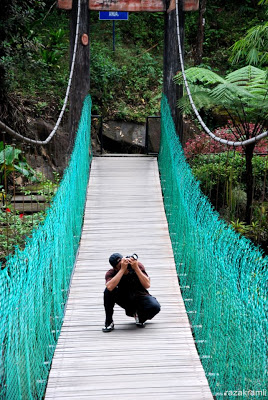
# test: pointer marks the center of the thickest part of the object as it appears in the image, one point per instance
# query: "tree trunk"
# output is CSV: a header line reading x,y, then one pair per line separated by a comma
x,y
81,76
173,91
249,181
5,15
200,33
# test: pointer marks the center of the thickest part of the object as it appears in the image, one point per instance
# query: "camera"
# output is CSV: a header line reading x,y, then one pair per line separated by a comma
x,y
135,256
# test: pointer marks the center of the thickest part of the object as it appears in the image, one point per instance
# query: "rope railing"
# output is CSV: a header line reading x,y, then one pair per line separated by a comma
x,y
35,281
222,276
204,126
9,130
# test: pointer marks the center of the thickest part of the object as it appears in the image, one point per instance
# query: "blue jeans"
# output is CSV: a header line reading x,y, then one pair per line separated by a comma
x,y
146,306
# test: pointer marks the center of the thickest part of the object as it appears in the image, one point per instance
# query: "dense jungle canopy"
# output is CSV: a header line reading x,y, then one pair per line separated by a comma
x,y
125,84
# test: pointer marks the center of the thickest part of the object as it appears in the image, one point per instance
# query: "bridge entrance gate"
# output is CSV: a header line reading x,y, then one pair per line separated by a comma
x,y
171,64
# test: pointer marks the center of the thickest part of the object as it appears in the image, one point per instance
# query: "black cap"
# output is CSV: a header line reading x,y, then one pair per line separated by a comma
x,y
115,258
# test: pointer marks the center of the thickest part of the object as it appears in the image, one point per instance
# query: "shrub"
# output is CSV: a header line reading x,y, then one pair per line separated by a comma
x,y
222,177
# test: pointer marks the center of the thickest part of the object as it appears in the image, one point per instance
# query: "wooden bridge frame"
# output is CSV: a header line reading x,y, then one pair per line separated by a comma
x,y
171,64
130,5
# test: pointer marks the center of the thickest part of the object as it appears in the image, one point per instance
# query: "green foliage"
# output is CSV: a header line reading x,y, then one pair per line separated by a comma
x,y
12,161
55,48
105,74
252,47
126,87
257,231
225,23
33,58
144,30
45,187
223,178
35,55
14,229
240,227
242,92
38,68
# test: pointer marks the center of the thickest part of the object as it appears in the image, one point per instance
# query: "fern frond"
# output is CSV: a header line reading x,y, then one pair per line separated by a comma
x,y
229,92
246,76
243,93
201,97
199,75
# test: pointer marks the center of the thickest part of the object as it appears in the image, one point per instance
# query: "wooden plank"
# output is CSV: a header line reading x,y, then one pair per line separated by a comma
x,y
159,361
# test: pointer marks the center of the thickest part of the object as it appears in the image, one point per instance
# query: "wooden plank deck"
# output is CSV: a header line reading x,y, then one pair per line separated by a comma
x,y
124,213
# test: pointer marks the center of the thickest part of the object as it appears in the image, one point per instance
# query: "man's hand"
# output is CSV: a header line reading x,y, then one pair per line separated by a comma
x,y
144,279
121,270
124,264
133,263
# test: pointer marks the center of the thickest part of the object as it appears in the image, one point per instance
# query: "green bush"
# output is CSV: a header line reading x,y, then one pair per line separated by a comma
x,y
14,229
223,177
13,162
257,231
143,29
125,87
105,75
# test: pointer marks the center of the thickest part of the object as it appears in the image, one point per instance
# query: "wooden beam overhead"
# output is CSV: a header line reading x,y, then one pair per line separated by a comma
x,y
127,5
131,5
65,4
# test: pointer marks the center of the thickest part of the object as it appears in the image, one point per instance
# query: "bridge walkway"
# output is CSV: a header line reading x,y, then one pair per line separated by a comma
x,y
125,213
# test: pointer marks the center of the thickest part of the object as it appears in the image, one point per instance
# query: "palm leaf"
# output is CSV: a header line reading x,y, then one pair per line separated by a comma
x,y
253,47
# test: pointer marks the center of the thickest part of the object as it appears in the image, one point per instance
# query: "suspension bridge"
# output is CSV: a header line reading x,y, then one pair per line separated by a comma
x,y
124,210
209,340
222,281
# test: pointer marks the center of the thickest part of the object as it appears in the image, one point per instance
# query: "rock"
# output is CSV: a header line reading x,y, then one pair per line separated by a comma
x,y
124,137
128,137
53,156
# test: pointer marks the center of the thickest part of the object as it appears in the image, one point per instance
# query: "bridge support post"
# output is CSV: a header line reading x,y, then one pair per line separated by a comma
x,y
81,77
172,91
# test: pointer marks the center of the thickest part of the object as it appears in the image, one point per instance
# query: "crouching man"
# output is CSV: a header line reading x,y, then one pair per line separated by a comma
x,y
126,285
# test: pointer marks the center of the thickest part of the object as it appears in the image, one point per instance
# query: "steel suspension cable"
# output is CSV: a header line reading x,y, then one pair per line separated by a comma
x,y
48,139
204,126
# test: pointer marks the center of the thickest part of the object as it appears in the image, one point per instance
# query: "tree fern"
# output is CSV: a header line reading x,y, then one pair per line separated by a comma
x,y
242,92
241,96
201,97
246,76
199,75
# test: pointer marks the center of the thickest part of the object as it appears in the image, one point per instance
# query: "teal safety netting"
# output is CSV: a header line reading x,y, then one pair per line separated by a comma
x,y
34,285
222,276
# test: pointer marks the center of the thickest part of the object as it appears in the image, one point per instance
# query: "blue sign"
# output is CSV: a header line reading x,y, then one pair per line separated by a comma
x,y
113,15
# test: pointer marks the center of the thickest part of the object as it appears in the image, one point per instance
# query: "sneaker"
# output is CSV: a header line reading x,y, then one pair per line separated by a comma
x,y
138,323
108,328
